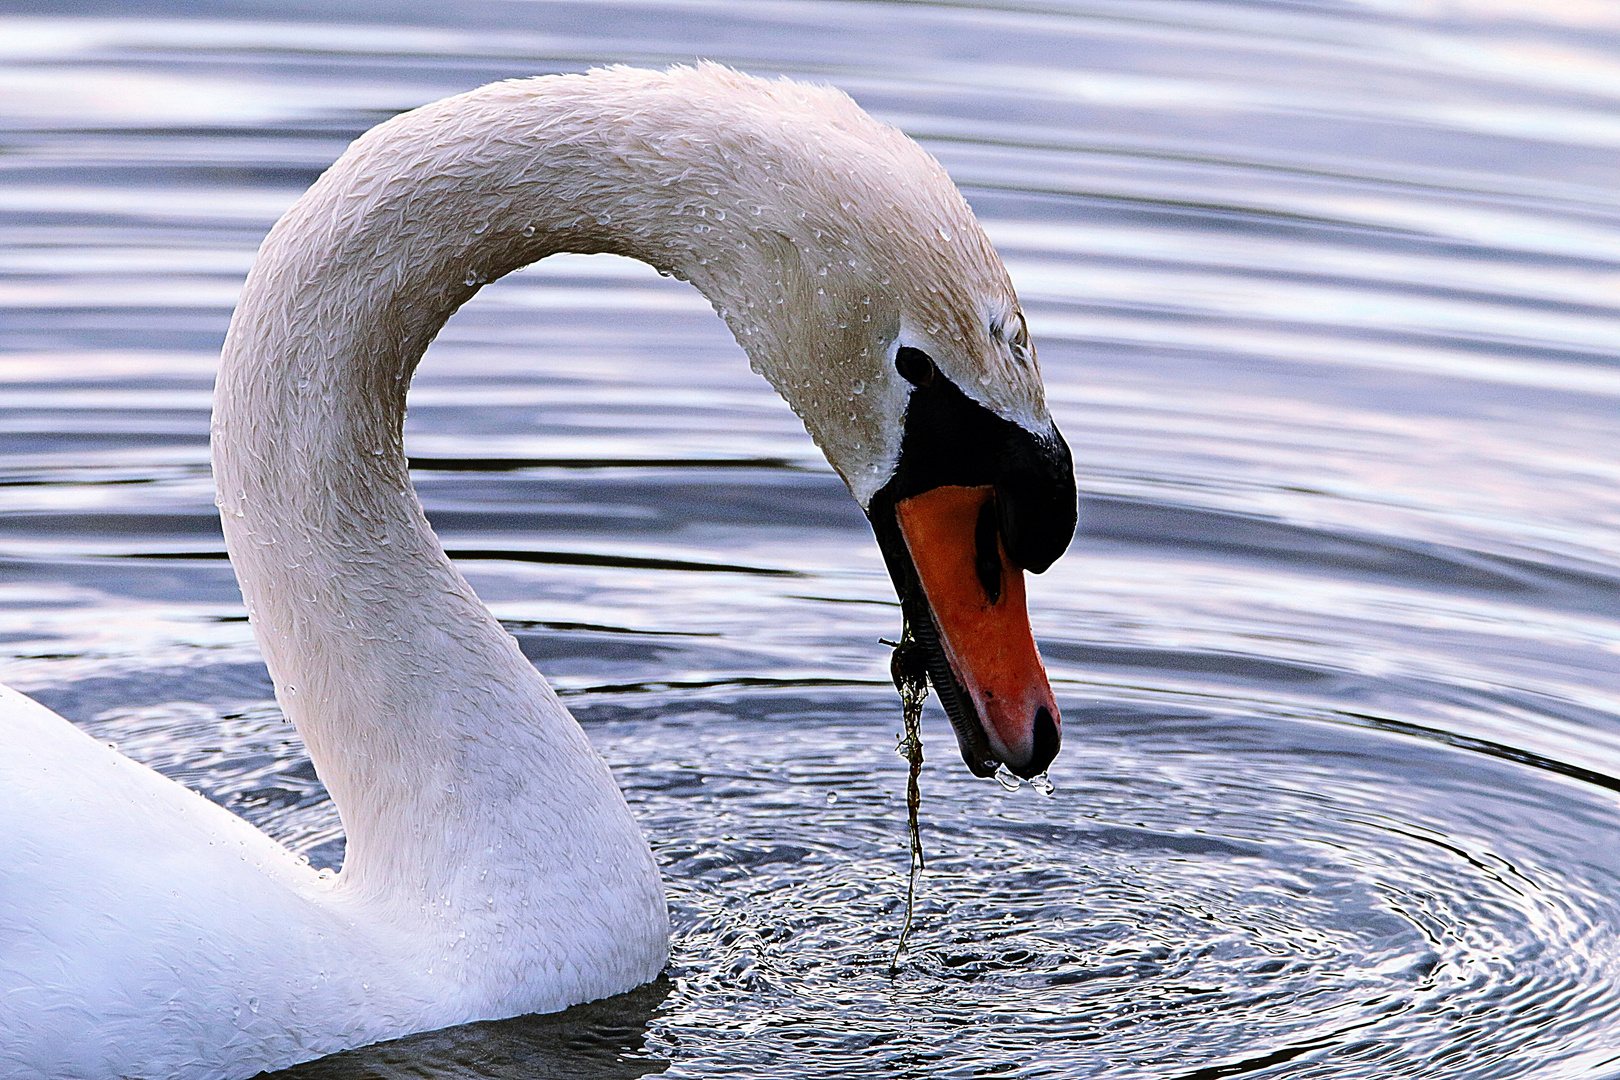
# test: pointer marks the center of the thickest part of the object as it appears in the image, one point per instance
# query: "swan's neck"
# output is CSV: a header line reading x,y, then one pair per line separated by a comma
x,y
458,775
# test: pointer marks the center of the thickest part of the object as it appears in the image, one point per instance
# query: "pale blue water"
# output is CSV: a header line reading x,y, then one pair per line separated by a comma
x,y
1326,298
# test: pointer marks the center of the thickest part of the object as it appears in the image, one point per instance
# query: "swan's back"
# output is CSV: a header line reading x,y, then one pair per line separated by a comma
x,y
127,899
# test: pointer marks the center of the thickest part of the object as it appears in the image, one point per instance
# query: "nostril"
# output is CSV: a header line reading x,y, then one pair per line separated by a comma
x,y
987,551
1045,743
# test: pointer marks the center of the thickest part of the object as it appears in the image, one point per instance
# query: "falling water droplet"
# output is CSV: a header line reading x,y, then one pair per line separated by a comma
x,y
1044,785
832,797
1007,778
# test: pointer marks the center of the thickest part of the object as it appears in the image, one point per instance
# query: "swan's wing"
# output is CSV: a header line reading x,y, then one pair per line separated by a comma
x,y
145,931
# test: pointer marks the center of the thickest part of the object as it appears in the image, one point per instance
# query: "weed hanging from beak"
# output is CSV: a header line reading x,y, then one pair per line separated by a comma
x,y
908,668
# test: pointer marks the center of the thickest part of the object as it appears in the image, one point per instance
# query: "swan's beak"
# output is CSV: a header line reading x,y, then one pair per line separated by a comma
x,y
974,501
975,631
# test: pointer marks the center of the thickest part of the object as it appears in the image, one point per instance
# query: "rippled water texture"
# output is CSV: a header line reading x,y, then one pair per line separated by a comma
x,y
1326,297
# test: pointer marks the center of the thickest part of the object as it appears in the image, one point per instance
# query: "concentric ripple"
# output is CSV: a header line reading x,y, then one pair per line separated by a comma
x,y
1325,299
1204,891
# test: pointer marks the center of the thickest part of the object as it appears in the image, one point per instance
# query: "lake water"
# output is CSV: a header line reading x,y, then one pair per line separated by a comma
x,y
1326,296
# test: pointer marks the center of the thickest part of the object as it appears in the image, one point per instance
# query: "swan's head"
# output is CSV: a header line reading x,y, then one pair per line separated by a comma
x,y
857,279
973,500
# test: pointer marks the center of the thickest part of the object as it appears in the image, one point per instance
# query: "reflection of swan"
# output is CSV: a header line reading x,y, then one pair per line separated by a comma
x,y
602,1040
492,866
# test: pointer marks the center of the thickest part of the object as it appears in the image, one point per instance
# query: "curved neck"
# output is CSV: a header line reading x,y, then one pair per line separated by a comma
x,y
436,738
811,229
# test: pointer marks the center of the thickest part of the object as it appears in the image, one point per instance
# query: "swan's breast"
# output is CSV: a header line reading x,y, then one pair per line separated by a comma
x,y
145,931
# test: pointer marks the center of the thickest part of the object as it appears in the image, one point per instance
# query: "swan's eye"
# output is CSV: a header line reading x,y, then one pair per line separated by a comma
x,y
914,366
1017,331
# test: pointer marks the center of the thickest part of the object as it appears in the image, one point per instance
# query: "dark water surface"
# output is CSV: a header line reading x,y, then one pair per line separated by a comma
x,y
1326,296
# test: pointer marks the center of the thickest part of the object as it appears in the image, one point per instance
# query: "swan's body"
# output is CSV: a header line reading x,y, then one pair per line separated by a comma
x,y
492,866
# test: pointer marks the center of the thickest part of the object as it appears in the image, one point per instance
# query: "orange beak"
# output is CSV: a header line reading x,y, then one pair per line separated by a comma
x,y
976,596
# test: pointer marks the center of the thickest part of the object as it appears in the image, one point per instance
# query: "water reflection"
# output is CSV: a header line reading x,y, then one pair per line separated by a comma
x,y
602,1040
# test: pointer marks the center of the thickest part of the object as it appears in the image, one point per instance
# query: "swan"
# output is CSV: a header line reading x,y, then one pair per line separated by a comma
x,y
493,867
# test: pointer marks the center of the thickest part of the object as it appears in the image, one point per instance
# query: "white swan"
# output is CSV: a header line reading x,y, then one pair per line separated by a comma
x,y
493,867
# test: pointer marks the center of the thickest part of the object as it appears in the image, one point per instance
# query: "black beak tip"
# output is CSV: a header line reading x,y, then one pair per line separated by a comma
x,y
1046,743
